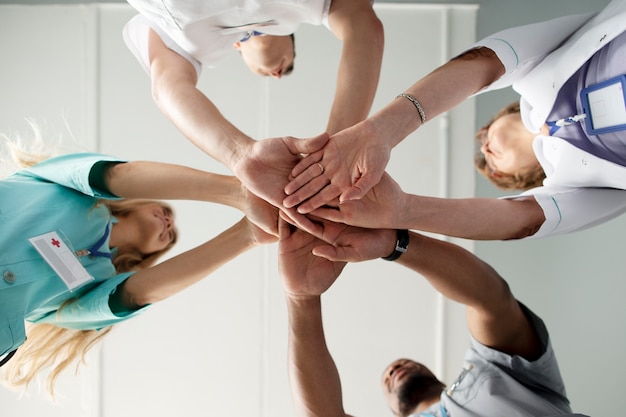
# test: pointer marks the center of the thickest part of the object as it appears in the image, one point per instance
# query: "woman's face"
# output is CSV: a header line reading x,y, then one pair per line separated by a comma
x,y
507,146
153,227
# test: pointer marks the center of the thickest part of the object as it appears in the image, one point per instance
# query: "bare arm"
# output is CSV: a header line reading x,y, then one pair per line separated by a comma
x,y
355,159
313,376
159,282
494,316
387,206
355,24
315,383
154,180
262,166
175,93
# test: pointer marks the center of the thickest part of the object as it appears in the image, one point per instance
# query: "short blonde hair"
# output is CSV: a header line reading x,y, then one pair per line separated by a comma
x,y
518,181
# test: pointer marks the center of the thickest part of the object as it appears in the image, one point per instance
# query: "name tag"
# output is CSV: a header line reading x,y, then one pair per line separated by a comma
x,y
61,259
605,106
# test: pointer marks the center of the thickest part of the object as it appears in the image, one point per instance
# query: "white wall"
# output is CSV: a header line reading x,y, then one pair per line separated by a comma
x,y
220,347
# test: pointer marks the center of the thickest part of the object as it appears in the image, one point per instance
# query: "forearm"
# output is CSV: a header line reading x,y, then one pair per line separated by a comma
x,y
155,180
359,70
314,379
200,121
472,218
180,272
174,91
455,272
438,92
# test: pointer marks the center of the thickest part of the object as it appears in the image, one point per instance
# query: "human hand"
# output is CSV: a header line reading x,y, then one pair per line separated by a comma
x,y
379,208
265,167
303,274
340,242
260,212
257,235
350,164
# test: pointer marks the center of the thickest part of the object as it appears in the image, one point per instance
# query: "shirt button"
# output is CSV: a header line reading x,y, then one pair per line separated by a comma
x,y
9,277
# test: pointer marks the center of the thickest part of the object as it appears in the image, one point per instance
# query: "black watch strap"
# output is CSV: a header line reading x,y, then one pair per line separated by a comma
x,y
401,245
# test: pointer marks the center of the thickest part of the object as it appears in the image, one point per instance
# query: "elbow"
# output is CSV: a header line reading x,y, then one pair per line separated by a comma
x,y
147,297
159,92
524,232
486,62
532,219
377,33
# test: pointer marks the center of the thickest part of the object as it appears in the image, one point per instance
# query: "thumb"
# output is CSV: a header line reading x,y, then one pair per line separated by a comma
x,y
359,188
307,146
325,251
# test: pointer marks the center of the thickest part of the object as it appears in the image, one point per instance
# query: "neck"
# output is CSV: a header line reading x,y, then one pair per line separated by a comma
x,y
118,238
426,403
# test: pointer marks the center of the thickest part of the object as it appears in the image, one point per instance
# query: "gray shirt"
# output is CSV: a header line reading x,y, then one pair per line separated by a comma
x,y
493,383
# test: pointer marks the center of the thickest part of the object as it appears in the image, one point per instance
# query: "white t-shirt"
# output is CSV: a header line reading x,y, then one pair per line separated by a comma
x,y
203,32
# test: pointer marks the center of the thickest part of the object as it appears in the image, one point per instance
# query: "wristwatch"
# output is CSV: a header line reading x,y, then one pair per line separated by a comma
x,y
402,244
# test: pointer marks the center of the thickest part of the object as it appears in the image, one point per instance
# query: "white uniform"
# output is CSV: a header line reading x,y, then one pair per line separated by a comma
x,y
203,32
574,195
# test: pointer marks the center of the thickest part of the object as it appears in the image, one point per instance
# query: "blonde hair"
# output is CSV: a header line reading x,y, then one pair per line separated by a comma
x,y
52,347
518,181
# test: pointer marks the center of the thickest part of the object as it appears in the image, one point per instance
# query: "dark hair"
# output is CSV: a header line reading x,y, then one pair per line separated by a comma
x,y
519,181
289,69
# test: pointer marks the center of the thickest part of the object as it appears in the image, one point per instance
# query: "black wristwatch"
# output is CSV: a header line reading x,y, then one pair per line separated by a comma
x,y
402,245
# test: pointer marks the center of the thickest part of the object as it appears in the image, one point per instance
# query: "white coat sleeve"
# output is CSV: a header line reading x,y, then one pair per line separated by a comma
x,y
569,210
522,48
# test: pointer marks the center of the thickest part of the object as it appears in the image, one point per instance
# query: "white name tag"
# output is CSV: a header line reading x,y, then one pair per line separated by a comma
x,y
605,106
61,259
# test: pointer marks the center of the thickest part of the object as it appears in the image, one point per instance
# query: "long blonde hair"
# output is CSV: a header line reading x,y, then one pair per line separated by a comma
x,y
51,347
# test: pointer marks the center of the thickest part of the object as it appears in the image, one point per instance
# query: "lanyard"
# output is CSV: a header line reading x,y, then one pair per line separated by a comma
x,y
442,410
94,250
250,34
557,124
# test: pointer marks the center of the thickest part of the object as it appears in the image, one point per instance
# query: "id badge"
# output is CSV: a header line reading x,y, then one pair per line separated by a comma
x,y
61,259
605,106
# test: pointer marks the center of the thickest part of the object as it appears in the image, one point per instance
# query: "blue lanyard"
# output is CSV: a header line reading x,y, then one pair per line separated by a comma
x,y
94,250
557,124
250,34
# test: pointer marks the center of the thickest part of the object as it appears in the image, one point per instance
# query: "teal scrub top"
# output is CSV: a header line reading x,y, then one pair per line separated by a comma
x,y
54,195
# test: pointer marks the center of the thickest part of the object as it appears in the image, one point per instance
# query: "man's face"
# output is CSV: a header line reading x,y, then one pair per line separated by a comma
x,y
268,55
404,382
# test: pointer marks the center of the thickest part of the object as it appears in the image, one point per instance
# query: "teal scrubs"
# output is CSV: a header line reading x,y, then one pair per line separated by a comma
x,y
54,195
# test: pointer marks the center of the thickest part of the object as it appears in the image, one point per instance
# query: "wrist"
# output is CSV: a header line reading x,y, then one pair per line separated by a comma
x,y
401,245
396,121
238,150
